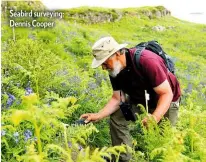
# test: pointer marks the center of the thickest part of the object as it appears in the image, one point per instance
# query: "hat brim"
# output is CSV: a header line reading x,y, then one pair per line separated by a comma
x,y
97,63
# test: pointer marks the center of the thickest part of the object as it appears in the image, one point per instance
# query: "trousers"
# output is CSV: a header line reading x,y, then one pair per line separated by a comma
x,y
119,129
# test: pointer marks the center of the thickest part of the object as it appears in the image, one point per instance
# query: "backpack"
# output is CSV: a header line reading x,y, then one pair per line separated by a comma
x,y
155,47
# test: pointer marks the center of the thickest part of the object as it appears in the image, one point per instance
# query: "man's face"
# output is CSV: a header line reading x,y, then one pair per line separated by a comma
x,y
113,66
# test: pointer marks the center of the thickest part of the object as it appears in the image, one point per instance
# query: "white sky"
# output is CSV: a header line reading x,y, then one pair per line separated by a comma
x,y
179,8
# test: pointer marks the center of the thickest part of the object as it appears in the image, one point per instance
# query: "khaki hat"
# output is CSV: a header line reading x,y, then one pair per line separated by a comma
x,y
103,49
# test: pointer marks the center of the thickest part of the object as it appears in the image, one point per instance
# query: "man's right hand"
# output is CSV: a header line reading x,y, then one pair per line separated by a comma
x,y
91,117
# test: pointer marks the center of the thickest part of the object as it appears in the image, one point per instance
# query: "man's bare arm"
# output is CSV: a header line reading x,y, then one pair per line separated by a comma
x,y
165,94
110,107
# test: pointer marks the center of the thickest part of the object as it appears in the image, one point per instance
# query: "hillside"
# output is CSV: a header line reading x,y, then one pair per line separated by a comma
x,y
47,80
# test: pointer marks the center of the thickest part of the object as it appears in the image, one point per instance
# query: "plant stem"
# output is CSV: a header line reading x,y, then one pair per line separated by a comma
x,y
65,137
37,133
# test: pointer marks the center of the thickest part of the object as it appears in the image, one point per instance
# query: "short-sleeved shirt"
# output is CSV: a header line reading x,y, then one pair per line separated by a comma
x,y
152,72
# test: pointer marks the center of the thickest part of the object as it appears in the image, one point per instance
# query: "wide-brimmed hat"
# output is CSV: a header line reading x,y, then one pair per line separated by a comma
x,y
103,49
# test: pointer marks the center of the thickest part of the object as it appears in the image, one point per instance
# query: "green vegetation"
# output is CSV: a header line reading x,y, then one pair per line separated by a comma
x,y
47,83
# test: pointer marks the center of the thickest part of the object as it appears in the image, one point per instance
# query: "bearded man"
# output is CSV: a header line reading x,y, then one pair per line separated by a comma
x,y
153,77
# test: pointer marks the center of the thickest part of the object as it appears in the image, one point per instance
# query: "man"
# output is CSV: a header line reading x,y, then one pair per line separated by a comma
x,y
153,76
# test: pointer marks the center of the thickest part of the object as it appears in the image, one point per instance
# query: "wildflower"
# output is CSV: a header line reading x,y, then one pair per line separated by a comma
x,y
80,147
28,91
27,135
62,72
16,136
3,133
92,85
10,100
75,79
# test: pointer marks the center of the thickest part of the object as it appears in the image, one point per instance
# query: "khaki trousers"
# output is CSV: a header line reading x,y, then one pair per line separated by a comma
x,y
119,130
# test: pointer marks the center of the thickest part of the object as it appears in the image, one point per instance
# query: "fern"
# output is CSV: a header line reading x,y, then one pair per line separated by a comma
x,y
80,133
32,155
18,92
65,154
97,155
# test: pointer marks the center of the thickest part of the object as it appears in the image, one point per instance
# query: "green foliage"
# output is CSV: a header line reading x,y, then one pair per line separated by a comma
x,y
26,59
55,64
51,136
79,46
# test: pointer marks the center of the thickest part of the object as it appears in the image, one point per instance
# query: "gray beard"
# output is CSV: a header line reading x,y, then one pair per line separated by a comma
x,y
117,68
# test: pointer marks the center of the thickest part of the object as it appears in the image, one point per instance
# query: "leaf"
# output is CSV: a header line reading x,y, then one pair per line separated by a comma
x,y
31,99
73,100
59,149
20,115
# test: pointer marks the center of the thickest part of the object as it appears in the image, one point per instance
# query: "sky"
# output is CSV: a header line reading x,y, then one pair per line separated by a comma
x,y
190,10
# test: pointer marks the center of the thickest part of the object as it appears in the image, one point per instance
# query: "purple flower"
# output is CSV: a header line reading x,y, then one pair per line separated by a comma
x,y
28,91
27,135
11,96
62,72
80,147
92,85
10,100
75,79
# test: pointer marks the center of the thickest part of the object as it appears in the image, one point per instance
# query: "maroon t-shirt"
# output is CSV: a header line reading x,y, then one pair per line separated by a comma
x,y
152,73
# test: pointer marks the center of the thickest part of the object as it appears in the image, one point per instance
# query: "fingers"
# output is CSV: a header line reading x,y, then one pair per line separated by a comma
x,y
88,117
84,116
94,117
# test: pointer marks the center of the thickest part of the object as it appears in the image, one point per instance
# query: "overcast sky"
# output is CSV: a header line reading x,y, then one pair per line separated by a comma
x,y
191,10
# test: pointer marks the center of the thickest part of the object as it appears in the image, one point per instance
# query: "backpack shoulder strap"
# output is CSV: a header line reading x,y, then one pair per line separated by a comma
x,y
137,55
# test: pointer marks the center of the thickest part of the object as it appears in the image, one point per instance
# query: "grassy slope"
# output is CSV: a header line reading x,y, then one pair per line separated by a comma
x,y
185,41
